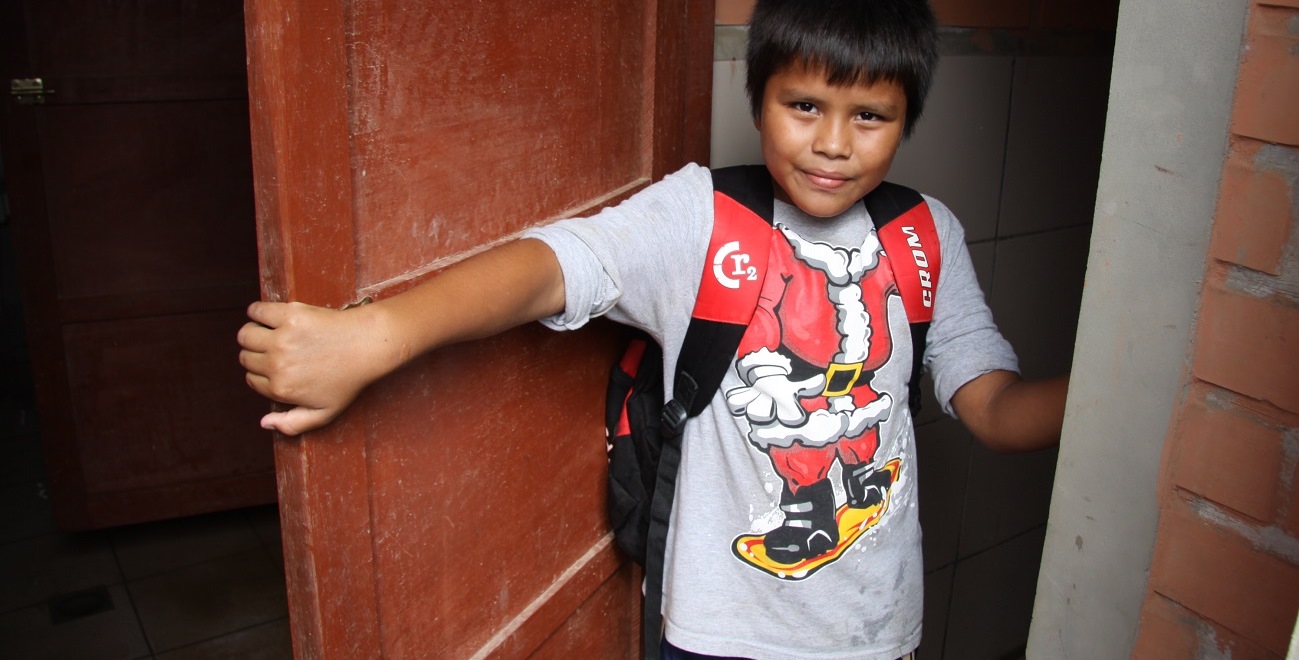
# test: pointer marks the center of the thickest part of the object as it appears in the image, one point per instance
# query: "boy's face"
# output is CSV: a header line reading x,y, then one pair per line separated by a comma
x,y
825,145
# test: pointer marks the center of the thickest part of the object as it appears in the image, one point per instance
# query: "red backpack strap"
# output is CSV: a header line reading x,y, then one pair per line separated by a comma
x,y
732,278
905,227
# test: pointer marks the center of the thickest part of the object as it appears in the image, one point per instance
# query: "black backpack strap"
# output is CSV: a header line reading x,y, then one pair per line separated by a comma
x,y
742,195
906,229
732,278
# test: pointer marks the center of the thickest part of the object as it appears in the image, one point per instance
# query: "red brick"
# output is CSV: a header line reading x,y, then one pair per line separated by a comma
x,y
1291,502
1229,455
1221,576
1254,212
733,12
1267,91
1291,478
1168,630
1248,345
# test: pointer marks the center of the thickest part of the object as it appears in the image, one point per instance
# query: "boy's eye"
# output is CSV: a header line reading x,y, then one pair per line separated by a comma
x,y
868,116
803,106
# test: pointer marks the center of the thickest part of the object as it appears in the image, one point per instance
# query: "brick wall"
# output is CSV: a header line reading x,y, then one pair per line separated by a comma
x,y
1224,580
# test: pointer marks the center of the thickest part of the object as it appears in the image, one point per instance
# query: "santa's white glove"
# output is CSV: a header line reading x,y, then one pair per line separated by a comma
x,y
770,394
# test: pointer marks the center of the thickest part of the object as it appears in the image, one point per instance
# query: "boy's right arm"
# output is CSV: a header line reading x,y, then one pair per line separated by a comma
x,y
318,360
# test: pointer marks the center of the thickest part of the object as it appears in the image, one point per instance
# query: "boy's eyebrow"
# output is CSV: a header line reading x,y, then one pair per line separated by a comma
x,y
878,108
874,106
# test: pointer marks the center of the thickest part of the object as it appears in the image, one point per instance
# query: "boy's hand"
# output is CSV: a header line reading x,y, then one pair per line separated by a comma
x,y
318,360
312,358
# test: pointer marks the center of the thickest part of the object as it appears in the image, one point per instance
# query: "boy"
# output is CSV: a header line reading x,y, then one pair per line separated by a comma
x,y
759,563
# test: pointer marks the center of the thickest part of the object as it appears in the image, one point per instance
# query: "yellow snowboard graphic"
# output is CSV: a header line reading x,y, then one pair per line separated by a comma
x,y
852,524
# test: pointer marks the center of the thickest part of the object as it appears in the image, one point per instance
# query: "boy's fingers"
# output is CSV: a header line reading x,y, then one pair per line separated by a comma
x,y
253,337
259,383
296,421
251,362
269,314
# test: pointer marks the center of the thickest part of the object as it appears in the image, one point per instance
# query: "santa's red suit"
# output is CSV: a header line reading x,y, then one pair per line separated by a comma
x,y
820,331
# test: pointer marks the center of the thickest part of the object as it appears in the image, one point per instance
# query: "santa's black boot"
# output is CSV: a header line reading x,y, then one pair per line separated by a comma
x,y
809,529
864,485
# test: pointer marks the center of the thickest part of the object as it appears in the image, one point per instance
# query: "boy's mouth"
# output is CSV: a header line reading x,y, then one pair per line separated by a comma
x,y
825,180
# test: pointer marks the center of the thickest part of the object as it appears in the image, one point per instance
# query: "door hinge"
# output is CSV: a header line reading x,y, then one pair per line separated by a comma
x,y
29,91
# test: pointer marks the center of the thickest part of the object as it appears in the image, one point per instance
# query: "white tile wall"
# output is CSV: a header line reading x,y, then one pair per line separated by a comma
x,y
992,600
1005,496
735,138
938,594
1036,293
957,149
1052,155
944,458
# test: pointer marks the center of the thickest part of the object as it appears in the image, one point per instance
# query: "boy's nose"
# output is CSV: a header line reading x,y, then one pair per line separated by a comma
x,y
831,140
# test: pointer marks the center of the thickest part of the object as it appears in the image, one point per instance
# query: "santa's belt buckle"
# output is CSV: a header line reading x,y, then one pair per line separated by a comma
x,y
841,378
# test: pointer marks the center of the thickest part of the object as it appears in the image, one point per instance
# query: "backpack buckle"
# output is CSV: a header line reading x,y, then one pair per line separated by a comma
x,y
673,420
677,411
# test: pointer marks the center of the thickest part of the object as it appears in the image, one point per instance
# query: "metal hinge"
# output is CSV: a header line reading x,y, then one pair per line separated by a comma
x,y
29,91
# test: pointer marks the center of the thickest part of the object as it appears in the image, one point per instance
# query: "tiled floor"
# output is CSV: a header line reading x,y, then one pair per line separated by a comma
x,y
197,588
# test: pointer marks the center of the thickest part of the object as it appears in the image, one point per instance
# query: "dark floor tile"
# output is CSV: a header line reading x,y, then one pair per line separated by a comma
x,y
29,634
269,641
210,600
17,417
24,501
266,522
160,547
36,569
20,452
26,511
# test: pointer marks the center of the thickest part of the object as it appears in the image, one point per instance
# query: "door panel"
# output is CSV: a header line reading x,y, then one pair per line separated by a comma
x,y
554,119
187,229
131,190
457,509
484,496
149,427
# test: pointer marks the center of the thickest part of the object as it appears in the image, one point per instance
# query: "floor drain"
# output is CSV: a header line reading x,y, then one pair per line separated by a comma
x,y
80,604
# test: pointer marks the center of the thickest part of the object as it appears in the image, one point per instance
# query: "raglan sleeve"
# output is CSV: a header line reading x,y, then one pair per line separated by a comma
x,y
963,342
625,262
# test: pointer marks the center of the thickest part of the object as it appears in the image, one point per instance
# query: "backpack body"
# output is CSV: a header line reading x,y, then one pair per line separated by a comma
x,y
634,403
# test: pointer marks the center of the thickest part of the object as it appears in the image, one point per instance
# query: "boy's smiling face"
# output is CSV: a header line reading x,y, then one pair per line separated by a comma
x,y
828,145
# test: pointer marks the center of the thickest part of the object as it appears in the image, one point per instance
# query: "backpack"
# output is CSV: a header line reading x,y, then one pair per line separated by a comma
x,y
643,433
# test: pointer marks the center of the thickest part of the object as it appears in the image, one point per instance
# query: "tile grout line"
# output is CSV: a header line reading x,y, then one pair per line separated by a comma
x,y
126,587
223,635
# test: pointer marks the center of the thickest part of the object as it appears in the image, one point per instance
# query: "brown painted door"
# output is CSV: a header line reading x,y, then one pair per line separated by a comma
x,y
130,184
457,509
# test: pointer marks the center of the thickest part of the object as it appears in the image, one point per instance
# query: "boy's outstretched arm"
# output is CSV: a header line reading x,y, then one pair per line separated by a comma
x,y
318,360
1007,413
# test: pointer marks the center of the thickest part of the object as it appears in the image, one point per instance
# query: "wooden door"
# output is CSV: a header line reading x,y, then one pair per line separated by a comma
x,y
130,183
456,510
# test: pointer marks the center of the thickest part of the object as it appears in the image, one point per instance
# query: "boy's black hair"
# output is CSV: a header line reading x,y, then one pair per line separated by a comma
x,y
854,41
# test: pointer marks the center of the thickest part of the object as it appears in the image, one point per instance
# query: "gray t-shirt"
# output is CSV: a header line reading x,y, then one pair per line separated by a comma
x,y
817,392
